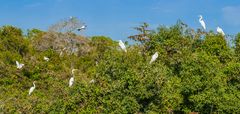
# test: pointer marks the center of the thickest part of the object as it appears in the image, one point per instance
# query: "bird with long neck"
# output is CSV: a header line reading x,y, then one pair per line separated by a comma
x,y
202,22
72,78
32,88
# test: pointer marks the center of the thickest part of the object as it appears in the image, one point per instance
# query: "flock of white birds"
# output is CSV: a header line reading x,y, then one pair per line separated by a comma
x,y
122,46
201,21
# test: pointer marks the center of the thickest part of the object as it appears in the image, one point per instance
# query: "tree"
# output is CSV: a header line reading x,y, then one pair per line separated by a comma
x,y
62,38
143,33
237,44
195,71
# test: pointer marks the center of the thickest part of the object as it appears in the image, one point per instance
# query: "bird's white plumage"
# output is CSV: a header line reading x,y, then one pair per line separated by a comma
x,y
201,21
154,57
72,78
71,81
46,58
82,27
19,65
122,45
32,88
92,81
61,53
219,30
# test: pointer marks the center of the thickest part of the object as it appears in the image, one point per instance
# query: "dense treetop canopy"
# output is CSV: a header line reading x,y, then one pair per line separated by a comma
x,y
196,71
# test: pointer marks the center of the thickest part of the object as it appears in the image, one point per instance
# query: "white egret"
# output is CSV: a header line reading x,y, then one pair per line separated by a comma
x,y
122,45
219,30
61,53
19,65
71,81
32,88
72,78
83,27
154,57
92,81
202,22
46,58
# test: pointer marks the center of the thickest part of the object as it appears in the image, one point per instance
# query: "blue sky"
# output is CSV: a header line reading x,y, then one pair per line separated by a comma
x,y
116,18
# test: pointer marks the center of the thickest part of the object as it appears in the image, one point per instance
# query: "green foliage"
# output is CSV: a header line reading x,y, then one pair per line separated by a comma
x,y
195,72
237,44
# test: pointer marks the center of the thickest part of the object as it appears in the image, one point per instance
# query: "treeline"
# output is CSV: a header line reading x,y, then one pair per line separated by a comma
x,y
196,71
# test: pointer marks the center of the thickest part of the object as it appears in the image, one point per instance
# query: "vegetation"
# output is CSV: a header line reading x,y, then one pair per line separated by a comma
x,y
196,71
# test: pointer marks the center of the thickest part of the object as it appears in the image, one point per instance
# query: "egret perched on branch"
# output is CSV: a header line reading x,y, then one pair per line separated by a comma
x,y
154,57
72,78
32,88
83,27
219,30
46,58
19,65
202,22
121,44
